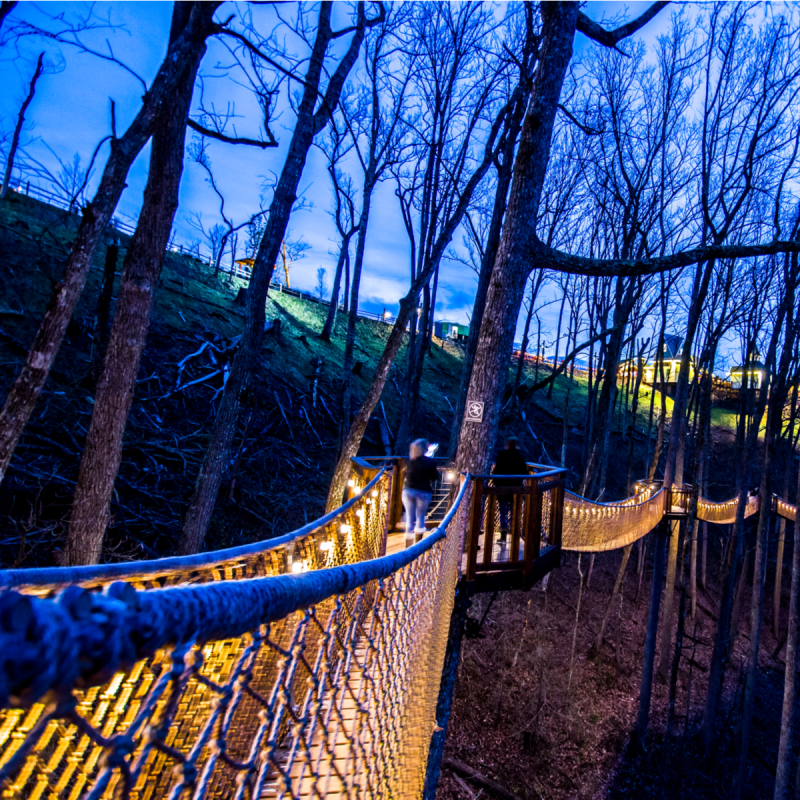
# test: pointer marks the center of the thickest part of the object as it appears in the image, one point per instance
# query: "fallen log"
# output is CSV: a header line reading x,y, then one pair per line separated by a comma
x,y
467,771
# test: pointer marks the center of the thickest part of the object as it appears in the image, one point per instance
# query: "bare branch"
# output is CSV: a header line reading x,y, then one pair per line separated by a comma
x,y
597,33
549,258
212,134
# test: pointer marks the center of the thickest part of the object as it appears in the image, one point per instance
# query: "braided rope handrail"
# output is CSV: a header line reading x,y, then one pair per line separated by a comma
x,y
316,684
46,580
60,638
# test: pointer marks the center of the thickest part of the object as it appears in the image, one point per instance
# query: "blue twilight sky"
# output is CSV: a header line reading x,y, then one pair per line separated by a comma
x,y
70,114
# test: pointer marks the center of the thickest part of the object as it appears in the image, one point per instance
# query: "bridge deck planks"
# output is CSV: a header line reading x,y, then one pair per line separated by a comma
x,y
332,738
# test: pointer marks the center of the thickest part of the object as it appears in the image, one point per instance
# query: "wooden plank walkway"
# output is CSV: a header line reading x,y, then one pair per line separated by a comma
x,y
343,719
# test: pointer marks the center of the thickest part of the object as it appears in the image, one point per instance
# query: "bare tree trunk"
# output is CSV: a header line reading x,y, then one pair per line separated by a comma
x,y
355,285
631,432
513,262
12,150
651,635
25,392
309,123
790,676
673,692
575,627
141,272
523,349
598,642
333,308
504,176
669,594
5,9
558,335
756,617
776,595
102,324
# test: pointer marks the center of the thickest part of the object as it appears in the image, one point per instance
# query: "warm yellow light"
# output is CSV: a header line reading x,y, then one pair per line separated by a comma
x,y
450,476
374,492
344,528
297,566
351,483
325,546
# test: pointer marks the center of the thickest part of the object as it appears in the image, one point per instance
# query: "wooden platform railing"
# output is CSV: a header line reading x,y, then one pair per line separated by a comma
x,y
516,556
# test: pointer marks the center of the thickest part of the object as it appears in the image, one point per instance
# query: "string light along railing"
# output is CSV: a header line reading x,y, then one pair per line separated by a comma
x,y
315,684
596,527
355,531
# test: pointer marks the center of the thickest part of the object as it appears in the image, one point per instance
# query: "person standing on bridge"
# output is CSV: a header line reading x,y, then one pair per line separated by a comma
x,y
510,461
421,473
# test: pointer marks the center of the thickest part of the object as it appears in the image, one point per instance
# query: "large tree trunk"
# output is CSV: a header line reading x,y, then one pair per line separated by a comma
x,y
417,350
141,272
25,392
513,264
12,150
102,322
309,123
504,175
782,771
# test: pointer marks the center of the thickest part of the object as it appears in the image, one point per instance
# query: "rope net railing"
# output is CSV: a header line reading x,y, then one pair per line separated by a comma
x,y
354,532
315,684
724,513
784,509
595,527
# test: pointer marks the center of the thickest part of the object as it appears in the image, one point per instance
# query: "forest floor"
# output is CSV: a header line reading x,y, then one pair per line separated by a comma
x,y
546,725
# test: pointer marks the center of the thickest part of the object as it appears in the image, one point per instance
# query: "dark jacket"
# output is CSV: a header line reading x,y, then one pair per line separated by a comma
x,y
510,462
420,472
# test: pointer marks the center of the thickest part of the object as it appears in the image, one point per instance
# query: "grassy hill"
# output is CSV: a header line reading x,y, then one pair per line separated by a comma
x,y
286,446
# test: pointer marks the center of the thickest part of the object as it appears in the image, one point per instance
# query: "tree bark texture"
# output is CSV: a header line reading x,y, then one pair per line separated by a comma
x,y
513,263
140,275
309,123
504,176
102,324
28,386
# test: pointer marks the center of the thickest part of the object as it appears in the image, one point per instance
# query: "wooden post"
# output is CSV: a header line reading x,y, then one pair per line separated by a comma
x,y
533,534
475,527
516,501
526,514
488,530
557,514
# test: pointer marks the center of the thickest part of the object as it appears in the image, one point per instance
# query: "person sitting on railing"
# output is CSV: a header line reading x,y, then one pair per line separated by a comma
x,y
421,472
509,461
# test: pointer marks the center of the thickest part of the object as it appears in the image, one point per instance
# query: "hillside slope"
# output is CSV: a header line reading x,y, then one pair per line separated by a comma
x,y
286,445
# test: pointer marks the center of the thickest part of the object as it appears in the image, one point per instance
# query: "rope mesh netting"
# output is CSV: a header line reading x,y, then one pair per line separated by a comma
x,y
314,546
317,684
304,666
594,527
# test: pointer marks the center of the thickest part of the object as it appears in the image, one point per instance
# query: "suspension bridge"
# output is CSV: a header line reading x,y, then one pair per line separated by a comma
x,y
317,664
